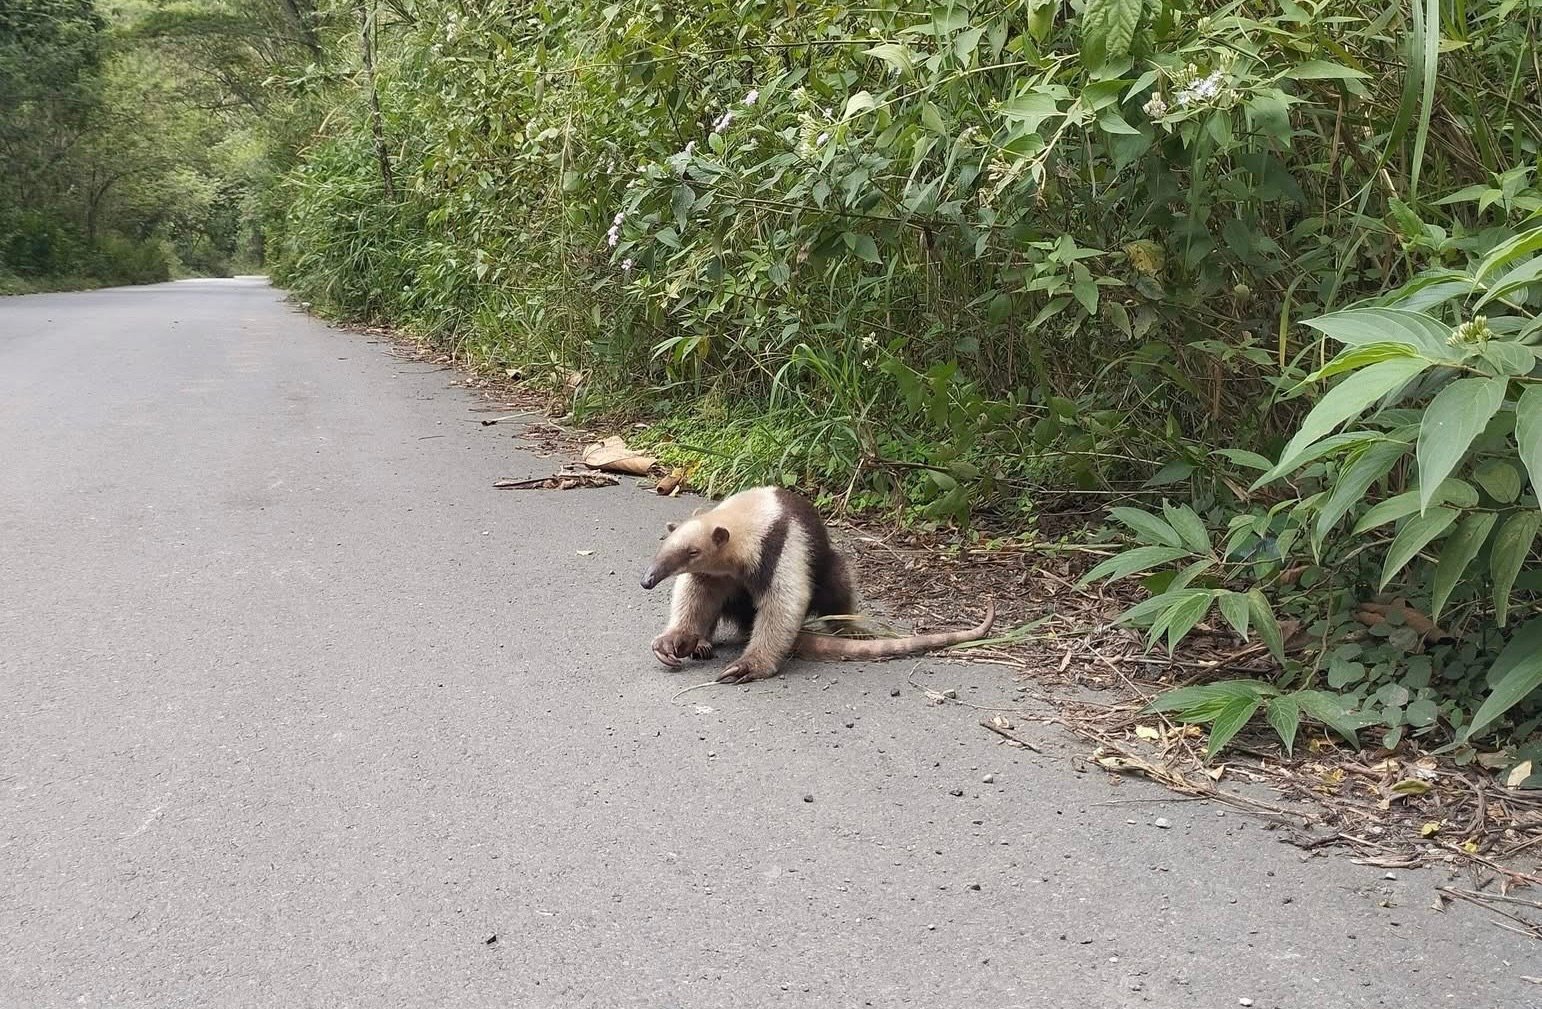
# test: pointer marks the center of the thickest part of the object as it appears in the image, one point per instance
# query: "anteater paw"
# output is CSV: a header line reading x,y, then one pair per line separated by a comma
x,y
674,646
746,669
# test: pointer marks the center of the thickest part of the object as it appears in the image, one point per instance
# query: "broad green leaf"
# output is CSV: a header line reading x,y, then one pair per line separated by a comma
x,y
1111,122
1234,607
1157,606
1108,29
1509,358
1189,526
1524,244
1229,722
1268,627
1511,546
1353,358
863,245
1201,703
1457,416
1331,445
1181,618
1421,713
1468,195
1030,109
861,102
896,55
1350,488
1458,552
1329,710
1500,479
1358,326
1188,574
1242,457
1323,70
1147,526
1284,714
1428,289
1452,491
931,118
1349,399
1132,562
1528,433
1518,278
1515,674
1416,533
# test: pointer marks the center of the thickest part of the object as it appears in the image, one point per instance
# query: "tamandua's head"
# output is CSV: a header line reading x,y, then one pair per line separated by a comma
x,y
692,547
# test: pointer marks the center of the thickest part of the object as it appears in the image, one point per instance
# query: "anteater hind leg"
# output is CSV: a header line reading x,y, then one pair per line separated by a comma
x,y
777,621
693,611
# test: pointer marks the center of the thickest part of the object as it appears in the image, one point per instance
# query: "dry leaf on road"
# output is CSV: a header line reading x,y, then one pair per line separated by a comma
x,y
613,455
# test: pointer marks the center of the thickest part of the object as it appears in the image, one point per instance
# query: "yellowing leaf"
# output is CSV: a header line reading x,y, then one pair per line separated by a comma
x,y
1430,829
1411,786
1519,773
1147,732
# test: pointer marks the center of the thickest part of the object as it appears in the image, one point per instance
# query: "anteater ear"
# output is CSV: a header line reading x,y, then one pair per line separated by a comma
x,y
719,535
670,527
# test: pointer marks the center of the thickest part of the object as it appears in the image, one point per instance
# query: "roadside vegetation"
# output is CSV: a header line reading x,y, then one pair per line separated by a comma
x,y
132,139
1262,278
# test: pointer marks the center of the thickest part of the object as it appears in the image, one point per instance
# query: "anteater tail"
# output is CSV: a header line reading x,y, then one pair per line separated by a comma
x,y
829,646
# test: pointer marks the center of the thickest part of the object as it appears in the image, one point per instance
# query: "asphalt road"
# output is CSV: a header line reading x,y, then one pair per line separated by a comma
x,y
297,711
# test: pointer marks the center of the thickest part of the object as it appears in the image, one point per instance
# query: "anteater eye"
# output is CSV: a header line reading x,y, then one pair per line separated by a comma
x,y
694,551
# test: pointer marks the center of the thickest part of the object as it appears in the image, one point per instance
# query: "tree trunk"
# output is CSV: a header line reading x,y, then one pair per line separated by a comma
x,y
376,123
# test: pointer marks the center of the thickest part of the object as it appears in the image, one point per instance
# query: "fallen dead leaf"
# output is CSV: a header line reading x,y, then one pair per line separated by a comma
x,y
1331,781
613,455
1147,732
1519,773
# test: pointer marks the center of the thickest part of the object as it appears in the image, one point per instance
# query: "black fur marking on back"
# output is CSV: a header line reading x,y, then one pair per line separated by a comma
x,y
758,579
828,578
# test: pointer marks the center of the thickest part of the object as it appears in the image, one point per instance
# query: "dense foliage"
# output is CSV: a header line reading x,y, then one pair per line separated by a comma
x,y
131,137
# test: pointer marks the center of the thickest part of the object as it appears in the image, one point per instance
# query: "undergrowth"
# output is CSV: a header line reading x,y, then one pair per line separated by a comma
x,y
942,258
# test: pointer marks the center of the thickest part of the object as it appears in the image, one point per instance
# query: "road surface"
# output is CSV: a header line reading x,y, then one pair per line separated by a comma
x,y
298,711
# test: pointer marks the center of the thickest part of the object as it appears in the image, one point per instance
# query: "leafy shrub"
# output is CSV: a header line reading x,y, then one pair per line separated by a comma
x,y
1419,470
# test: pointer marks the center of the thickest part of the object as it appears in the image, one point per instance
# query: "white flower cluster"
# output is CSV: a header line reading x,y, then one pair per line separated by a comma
x,y
678,162
809,142
1156,108
1203,90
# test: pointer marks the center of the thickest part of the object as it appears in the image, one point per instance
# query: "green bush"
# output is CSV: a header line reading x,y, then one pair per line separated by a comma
x,y
1419,471
953,254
